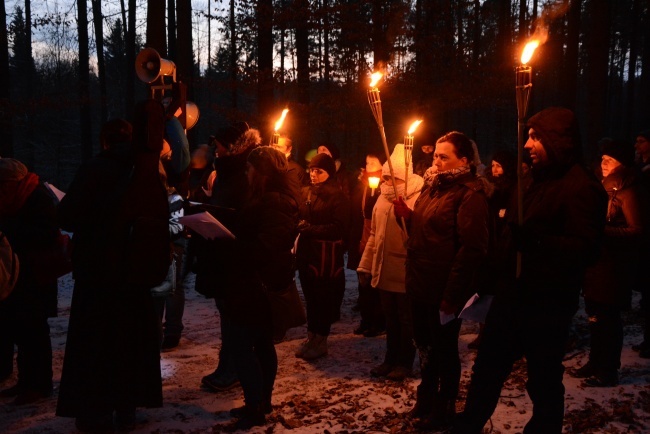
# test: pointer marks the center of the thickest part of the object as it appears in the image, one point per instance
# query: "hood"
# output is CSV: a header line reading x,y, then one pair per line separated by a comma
x,y
558,129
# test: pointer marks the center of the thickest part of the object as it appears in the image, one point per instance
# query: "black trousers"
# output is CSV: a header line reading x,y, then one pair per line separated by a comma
x,y
370,307
400,350
437,346
606,336
517,328
25,326
323,298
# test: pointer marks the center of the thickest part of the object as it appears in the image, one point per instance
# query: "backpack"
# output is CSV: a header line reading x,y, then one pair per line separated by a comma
x,y
9,268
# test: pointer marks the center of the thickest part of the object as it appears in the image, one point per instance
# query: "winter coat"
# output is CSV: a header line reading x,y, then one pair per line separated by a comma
x,y
261,256
230,192
90,209
326,211
448,241
610,279
564,212
384,256
32,230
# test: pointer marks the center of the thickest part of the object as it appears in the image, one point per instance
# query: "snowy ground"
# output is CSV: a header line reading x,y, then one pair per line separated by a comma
x,y
336,394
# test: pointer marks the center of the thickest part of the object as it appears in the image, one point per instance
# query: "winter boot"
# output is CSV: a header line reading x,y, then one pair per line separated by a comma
x,y
423,406
317,348
304,345
250,416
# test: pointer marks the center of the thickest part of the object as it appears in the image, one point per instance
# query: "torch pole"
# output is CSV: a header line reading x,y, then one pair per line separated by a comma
x,y
375,106
523,78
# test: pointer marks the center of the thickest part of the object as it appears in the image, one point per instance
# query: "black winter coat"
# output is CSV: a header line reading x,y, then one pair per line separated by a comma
x,y
326,210
564,218
611,278
261,256
448,241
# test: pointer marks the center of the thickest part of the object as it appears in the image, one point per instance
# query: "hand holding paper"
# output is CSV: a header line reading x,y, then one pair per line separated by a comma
x,y
206,225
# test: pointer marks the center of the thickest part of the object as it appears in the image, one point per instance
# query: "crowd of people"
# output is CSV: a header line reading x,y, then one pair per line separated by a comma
x,y
530,237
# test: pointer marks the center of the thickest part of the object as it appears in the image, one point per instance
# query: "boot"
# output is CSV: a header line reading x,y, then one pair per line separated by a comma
x,y
250,416
317,348
304,345
444,413
423,407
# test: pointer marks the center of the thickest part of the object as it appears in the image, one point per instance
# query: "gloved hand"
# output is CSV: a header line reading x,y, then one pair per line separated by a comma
x,y
302,225
401,209
364,278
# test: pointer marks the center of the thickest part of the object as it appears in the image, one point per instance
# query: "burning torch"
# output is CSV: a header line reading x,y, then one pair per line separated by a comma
x,y
275,138
523,79
408,151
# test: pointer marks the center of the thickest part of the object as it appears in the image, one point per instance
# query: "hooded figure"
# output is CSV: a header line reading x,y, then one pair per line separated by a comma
x,y
564,212
384,260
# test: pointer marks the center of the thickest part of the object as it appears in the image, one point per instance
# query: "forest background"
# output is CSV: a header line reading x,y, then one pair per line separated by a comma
x,y
67,66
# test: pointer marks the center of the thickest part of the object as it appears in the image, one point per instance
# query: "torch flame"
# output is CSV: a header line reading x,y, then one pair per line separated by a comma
x,y
374,78
529,49
414,126
278,124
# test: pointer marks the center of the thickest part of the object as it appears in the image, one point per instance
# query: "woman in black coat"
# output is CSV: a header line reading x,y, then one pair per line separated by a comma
x,y
260,261
609,282
324,214
448,241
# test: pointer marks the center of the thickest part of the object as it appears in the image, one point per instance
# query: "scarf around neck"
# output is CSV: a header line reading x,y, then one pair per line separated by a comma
x,y
434,179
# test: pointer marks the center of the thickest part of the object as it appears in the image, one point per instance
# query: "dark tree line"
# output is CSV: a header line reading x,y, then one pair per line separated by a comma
x,y
449,62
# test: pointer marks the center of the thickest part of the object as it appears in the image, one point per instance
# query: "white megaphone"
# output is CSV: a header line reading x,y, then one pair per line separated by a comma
x,y
149,66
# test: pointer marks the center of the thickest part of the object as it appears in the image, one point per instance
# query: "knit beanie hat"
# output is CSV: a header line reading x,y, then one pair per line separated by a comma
x,y
558,130
325,162
333,150
399,166
267,160
620,151
12,170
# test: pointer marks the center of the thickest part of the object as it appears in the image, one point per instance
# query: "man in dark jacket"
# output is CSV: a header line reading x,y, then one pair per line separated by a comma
x,y
563,223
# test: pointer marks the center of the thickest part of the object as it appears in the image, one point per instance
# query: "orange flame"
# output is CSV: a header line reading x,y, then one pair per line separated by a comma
x,y
373,182
529,49
278,124
414,126
374,78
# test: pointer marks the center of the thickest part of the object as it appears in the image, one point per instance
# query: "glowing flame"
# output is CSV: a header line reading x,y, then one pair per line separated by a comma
x,y
529,49
375,77
373,182
278,124
414,126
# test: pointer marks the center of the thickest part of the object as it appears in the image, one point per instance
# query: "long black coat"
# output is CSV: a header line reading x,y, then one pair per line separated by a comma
x,y
448,241
112,353
610,280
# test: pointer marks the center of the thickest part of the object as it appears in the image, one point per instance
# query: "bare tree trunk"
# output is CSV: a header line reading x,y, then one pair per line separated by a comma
x,y
326,43
599,12
302,49
129,100
156,26
265,58
101,67
124,22
569,81
644,115
184,49
84,82
171,27
629,120
6,144
233,55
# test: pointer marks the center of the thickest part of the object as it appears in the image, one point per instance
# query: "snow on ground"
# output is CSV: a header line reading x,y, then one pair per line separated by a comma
x,y
336,394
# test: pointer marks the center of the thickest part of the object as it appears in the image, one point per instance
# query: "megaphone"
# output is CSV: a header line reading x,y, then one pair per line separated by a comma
x,y
191,115
149,66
